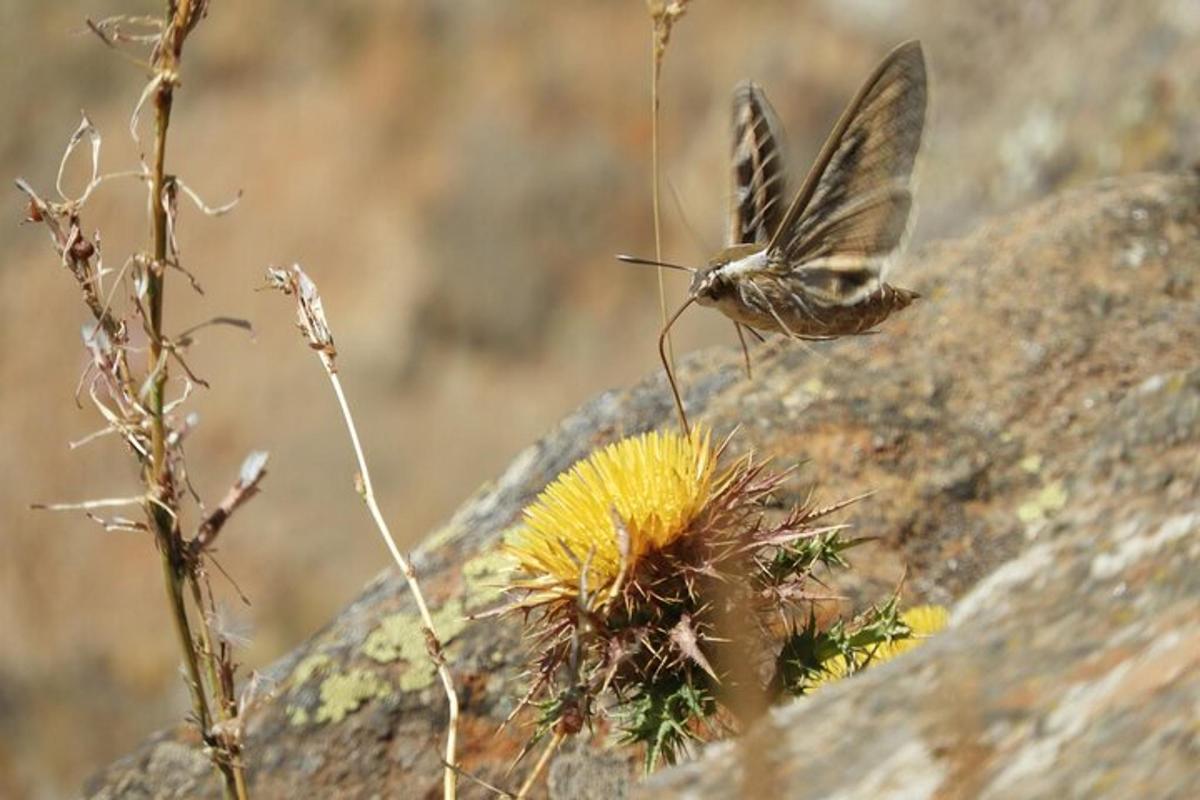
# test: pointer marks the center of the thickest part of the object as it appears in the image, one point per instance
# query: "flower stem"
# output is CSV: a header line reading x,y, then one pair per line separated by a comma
x,y
450,775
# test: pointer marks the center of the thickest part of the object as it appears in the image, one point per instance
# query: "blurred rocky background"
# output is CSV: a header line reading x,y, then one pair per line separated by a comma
x,y
457,175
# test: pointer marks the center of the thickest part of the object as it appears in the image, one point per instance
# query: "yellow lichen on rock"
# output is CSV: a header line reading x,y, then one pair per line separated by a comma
x,y
343,692
485,577
401,637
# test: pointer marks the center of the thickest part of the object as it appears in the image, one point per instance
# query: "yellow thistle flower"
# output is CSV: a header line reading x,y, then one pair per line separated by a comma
x,y
655,540
922,621
653,485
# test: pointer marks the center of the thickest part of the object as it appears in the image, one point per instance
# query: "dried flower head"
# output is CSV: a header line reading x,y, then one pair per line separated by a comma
x,y
310,313
663,16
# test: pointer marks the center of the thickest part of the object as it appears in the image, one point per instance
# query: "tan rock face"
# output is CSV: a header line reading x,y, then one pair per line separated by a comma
x,y
460,175
1031,429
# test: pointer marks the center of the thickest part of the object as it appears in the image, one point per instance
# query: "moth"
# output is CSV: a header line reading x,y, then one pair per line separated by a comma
x,y
814,269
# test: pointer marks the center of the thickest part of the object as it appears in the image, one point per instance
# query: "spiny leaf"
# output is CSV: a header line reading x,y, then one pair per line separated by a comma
x,y
683,636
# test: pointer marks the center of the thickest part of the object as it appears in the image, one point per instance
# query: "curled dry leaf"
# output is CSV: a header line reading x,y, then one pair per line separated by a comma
x,y
205,208
310,314
85,130
254,469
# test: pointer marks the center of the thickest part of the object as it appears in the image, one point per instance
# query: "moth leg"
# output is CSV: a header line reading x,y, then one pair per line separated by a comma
x,y
783,325
745,350
803,306
771,309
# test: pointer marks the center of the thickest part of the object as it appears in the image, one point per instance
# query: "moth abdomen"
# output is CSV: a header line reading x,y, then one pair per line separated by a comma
x,y
771,305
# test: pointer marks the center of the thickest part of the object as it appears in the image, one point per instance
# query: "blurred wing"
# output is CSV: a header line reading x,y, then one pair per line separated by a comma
x,y
852,212
759,181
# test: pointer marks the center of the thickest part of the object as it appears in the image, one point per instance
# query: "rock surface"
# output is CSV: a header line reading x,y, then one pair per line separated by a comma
x,y
1032,431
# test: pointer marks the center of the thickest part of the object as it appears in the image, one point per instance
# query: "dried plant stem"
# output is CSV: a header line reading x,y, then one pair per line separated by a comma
x,y
655,75
231,773
134,405
173,584
224,703
164,96
450,774
540,766
158,477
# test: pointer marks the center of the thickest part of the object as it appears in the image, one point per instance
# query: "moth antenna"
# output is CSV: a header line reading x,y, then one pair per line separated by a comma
x,y
651,263
662,354
697,239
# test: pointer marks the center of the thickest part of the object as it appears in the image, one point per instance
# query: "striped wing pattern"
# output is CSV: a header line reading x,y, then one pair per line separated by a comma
x,y
852,213
759,172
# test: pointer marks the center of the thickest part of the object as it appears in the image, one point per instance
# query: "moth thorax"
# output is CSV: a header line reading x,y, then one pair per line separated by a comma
x,y
717,281
745,265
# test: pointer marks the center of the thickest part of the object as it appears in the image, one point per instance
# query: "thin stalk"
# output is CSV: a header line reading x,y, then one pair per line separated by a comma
x,y
158,476
157,469
173,585
655,74
217,687
450,775
184,634
164,98
540,766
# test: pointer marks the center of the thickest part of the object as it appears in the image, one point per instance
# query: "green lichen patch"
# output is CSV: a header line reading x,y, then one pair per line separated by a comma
x,y
343,693
400,637
309,666
1050,499
484,578
815,387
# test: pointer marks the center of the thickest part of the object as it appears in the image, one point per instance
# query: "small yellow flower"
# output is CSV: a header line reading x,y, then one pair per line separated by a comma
x,y
922,621
654,485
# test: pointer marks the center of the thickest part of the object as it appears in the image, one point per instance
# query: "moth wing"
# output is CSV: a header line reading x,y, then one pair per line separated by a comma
x,y
759,172
852,213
